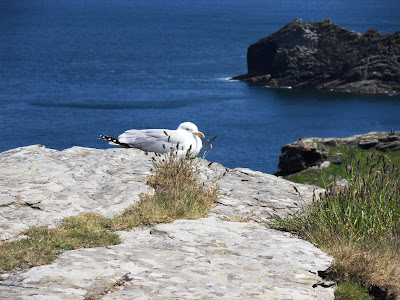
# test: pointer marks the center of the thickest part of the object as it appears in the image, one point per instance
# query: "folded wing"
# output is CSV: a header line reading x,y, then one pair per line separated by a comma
x,y
157,140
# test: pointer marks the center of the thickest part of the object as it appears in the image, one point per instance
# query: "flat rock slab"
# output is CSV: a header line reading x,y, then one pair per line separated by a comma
x,y
209,258
187,259
41,186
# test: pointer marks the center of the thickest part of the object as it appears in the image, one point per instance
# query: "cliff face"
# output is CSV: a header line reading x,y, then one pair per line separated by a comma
x,y
321,55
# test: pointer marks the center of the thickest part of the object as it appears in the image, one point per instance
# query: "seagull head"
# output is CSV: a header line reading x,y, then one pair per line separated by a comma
x,y
189,126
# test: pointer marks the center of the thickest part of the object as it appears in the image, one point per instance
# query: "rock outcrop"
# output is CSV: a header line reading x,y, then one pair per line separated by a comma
x,y
299,156
210,258
310,152
321,55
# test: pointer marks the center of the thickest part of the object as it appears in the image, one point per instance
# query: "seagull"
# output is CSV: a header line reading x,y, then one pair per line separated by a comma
x,y
185,139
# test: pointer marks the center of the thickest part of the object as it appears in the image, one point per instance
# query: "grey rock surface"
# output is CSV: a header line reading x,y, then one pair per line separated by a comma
x,y
255,196
209,258
40,186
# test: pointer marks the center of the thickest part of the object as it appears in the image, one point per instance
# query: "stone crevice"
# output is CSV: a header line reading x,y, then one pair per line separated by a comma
x,y
117,285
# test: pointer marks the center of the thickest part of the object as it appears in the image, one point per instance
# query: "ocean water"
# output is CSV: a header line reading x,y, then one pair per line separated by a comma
x,y
71,70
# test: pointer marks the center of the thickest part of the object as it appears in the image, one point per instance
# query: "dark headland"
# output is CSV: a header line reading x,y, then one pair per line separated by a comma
x,y
323,56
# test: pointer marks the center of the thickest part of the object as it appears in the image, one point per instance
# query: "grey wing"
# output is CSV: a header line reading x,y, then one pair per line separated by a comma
x,y
151,140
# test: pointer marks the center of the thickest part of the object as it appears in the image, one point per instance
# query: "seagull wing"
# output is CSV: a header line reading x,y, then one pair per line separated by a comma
x,y
157,140
151,140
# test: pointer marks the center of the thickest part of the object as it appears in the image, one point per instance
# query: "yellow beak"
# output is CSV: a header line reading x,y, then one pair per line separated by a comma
x,y
200,134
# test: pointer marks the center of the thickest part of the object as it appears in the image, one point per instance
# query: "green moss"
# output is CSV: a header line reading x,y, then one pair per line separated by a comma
x,y
350,291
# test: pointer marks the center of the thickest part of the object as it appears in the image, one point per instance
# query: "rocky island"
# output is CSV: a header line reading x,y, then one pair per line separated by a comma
x,y
323,56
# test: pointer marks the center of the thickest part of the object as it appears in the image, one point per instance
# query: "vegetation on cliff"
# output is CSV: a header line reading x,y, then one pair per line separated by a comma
x,y
321,161
335,172
358,224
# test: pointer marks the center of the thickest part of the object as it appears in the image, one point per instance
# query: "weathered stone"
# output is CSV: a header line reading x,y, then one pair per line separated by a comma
x,y
209,258
42,186
351,141
256,196
192,259
325,164
389,146
367,144
321,55
391,137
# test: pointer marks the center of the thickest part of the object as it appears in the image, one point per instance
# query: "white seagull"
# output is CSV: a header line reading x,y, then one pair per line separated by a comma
x,y
186,138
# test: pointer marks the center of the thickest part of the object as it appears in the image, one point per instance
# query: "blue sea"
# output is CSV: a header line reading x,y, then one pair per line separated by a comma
x,y
71,70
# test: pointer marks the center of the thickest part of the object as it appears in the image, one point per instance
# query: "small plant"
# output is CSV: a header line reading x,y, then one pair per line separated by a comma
x,y
358,224
177,194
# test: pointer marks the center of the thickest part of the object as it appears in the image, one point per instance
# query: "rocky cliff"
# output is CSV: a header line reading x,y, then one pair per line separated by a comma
x,y
321,55
210,258
310,152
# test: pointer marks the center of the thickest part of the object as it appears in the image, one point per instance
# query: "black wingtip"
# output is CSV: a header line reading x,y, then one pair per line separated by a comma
x,y
114,140
109,138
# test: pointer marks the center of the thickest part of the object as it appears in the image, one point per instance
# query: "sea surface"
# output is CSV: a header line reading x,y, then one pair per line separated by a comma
x,y
71,70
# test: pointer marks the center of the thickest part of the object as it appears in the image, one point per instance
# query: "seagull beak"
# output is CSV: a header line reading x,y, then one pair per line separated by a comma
x,y
200,134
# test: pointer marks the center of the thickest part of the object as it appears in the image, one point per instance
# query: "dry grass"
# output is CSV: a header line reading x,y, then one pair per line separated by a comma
x,y
42,245
178,194
358,225
365,262
368,263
